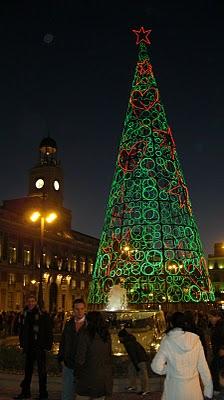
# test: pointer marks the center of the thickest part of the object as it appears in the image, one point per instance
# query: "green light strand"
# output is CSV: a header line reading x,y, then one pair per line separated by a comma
x,y
150,241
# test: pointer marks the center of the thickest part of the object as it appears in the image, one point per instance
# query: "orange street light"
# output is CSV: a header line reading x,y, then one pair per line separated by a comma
x,y
49,218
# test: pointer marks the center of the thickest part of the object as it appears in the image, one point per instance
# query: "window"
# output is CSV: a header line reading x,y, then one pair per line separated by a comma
x,y
73,283
25,280
90,269
59,262
69,265
11,278
26,257
63,301
82,266
44,259
12,254
73,264
18,300
82,285
11,296
3,298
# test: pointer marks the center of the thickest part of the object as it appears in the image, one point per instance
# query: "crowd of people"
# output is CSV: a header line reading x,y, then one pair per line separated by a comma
x,y
9,325
9,322
190,356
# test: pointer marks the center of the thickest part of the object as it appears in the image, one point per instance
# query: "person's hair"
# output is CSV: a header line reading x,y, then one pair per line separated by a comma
x,y
78,301
216,313
189,316
177,320
221,372
96,324
123,333
31,296
189,319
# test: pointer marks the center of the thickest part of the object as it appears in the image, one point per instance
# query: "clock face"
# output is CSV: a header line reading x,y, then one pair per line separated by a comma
x,y
39,183
56,185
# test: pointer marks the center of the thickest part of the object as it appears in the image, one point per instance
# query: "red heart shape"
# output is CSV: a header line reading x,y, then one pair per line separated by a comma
x,y
140,100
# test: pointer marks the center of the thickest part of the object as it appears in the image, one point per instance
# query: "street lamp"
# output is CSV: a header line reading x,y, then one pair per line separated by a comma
x,y
49,218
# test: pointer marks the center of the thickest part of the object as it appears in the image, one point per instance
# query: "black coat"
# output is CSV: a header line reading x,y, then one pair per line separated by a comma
x,y
68,344
134,349
35,330
93,370
217,336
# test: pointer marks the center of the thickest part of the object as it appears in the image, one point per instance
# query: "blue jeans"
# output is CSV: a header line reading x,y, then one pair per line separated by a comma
x,y
68,384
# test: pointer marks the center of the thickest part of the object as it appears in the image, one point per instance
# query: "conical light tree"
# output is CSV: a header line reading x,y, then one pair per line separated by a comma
x,y
150,242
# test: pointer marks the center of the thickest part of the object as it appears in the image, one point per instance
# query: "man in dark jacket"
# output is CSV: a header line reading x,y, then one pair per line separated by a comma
x,y
68,348
35,337
138,365
216,320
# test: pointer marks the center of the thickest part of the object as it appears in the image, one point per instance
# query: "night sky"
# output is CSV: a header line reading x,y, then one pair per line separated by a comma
x,y
67,67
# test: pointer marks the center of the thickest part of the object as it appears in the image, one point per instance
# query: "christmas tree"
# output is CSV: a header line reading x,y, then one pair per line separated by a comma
x,y
150,242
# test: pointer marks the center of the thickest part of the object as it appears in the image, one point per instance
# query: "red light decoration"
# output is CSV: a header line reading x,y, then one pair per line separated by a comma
x,y
140,100
167,140
181,191
149,225
142,35
144,68
129,160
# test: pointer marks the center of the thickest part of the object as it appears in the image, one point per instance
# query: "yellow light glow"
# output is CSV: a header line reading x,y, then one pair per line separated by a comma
x,y
51,217
33,281
126,248
35,216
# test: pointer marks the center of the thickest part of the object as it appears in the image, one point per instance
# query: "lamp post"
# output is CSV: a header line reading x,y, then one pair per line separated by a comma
x,y
49,218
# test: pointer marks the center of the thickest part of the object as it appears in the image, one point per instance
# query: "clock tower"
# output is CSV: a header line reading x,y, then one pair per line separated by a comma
x,y
46,178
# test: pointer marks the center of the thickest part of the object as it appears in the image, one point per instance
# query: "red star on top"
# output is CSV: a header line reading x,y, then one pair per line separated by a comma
x,y
142,35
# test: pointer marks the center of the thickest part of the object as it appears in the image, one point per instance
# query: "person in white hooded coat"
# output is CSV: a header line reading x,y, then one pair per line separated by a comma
x,y
181,358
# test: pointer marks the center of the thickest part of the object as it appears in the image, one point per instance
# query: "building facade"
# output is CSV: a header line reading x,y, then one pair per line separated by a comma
x,y
216,271
51,253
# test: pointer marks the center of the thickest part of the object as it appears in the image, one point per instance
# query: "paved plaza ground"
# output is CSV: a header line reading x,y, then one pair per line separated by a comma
x,y
9,387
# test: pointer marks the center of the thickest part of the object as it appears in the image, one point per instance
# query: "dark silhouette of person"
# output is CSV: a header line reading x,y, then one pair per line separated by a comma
x,y
35,337
138,366
216,320
93,371
68,348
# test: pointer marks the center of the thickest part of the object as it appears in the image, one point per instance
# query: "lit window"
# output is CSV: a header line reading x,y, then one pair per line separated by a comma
x,y
73,264
59,262
82,285
26,257
82,267
12,254
25,280
90,267
11,278
73,283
